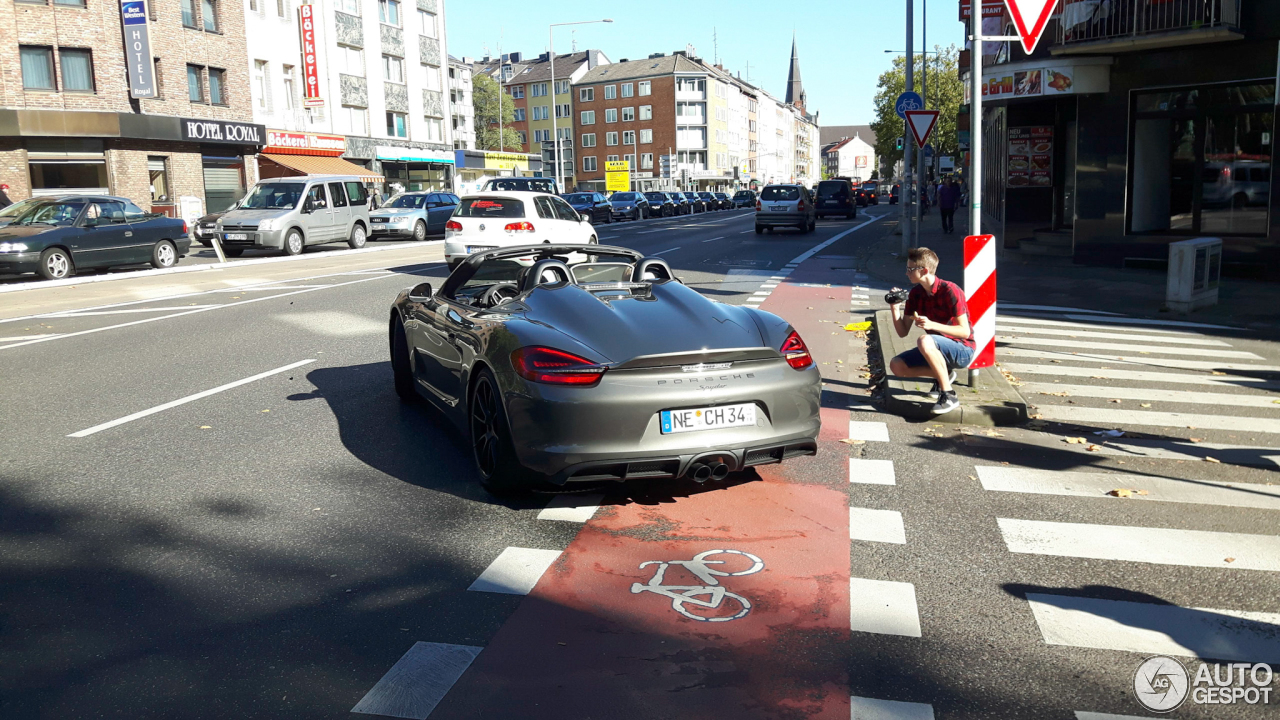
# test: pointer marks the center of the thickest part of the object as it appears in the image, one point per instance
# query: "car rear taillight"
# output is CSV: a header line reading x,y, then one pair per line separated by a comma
x,y
795,351
453,225
184,227
523,226
800,205
758,208
555,367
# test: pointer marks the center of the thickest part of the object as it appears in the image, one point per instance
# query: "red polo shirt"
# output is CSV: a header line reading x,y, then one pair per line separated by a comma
x,y
943,306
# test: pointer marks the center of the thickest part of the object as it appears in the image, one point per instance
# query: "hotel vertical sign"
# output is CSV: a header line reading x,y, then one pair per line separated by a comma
x,y
137,49
310,67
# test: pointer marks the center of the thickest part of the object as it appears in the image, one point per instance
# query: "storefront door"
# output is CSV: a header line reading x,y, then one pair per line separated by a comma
x,y
224,182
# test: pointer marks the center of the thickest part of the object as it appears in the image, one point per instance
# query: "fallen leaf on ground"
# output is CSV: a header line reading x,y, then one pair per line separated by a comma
x,y
1113,400
1126,492
1096,377
851,441
1228,559
972,477
1215,372
267,410
992,433
1146,404
1074,440
1060,393
1211,459
1035,416
1057,361
1195,439
1094,448
206,427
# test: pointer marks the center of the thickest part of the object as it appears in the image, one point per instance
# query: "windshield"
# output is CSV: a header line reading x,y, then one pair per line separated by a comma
x,y
579,198
273,196
485,207
50,213
408,201
743,194
546,185
781,192
832,189
656,196
18,208
601,272
623,196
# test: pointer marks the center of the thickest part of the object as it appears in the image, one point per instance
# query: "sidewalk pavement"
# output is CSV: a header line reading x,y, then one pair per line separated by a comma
x,y
1043,281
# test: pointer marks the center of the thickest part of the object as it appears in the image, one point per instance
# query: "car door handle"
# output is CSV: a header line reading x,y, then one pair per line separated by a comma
x,y
128,233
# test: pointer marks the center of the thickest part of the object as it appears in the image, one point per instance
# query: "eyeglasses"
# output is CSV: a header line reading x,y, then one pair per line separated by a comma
x,y
915,268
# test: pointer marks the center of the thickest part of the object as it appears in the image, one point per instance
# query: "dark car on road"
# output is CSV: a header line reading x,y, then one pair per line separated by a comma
x,y
566,373
837,197
591,205
682,204
62,235
12,211
660,204
696,204
205,229
630,206
871,191
528,184
710,200
726,202
744,199
895,194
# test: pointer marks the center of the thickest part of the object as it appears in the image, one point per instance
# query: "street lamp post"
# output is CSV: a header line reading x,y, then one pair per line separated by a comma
x,y
555,129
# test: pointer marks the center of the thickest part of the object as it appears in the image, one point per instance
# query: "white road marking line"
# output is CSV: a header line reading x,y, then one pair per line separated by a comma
x,y
1030,320
1141,321
667,250
1127,418
1157,395
873,709
883,607
1058,332
1158,546
268,287
877,526
418,681
122,311
610,237
1155,629
761,293
190,398
368,272
650,232
777,277
1170,450
861,297
1140,375
861,303
1053,308
571,508
333,323
1125,347
515,571
1149,360
769,285
1097,485
18,338
744,232
868,431
714,239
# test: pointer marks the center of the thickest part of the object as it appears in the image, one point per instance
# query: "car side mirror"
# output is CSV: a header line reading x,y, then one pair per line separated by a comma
x,y
307,207
91,222
422,292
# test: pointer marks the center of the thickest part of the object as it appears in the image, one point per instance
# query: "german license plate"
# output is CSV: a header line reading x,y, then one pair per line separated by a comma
x,y
779,208
480,248
708,418
235,236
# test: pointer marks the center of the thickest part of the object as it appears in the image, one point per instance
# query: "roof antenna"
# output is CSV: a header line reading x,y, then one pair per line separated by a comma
x,y
573,35
715,46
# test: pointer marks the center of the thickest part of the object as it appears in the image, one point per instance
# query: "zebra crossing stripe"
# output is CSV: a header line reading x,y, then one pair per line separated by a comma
x,y
571,508
418,681
1147,360
1055,332
874,525
1055,308
868,431
1140,375
1040,320
1156,395
1265,457
872,709
1142,321
1097,485
515,571
1156,629
883,607
1158,546
1126,347
1125,418
871,472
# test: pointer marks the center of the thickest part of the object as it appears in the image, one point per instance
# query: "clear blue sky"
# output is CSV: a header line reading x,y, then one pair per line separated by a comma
x,y
841,43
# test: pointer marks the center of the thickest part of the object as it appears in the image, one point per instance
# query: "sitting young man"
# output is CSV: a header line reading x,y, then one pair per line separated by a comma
x,y
937,307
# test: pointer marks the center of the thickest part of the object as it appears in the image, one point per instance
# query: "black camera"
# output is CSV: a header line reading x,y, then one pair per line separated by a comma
x,y
896,296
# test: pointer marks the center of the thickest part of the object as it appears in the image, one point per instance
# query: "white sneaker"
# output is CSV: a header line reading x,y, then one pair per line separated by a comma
x,y
935,391
946,404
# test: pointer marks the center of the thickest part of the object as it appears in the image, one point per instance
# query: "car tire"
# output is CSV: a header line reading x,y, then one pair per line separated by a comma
x,y
293,243
419,231
359,236
608,219
401,370
813,225
759,230
492,449
164,255
233,252
205,242
55,264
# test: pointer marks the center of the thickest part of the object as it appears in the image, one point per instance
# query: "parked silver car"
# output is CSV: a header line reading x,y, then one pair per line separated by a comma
x,y
785,206
413,214
289,213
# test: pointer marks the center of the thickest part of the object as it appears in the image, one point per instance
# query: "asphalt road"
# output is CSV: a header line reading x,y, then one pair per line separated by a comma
x,y
299,542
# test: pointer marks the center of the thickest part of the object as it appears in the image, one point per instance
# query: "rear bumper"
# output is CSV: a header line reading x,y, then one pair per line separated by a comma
x,y
782,219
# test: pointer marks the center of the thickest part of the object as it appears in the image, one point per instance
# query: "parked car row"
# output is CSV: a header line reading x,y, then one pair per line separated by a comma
x,y
641,205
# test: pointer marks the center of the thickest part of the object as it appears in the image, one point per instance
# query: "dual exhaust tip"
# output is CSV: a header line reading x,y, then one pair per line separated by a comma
x,y
702,472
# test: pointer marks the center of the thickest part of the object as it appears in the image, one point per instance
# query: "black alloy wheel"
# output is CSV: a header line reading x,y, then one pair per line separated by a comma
x,y
401,370
491,446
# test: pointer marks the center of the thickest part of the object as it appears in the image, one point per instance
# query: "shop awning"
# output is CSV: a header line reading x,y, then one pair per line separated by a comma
x,y
318,165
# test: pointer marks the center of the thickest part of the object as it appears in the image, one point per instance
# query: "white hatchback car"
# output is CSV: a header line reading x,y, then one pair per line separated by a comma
x,y
493,220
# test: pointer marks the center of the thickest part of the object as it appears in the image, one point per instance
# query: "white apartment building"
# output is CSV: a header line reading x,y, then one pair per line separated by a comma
x,y
379,99
462,111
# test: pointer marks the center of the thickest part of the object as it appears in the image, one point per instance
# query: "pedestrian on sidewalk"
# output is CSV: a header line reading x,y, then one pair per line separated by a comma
x,y
938,307
948,195
4,197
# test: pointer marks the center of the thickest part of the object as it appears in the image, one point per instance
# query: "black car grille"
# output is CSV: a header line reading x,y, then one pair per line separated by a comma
x,y
239,228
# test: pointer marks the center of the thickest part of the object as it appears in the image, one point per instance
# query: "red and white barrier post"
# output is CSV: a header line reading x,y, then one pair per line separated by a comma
x,y
980,294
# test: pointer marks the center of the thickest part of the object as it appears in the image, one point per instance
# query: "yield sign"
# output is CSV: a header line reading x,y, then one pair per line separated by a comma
x,y
1030,17
921,123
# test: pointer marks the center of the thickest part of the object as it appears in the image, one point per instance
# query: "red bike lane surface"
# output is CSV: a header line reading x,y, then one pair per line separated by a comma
x,y
627,624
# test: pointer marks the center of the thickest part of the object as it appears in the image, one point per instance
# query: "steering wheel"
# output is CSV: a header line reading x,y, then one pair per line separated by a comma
x,y
498,293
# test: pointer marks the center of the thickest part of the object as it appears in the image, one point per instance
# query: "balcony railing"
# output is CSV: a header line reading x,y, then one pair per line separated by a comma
x,y
1091,21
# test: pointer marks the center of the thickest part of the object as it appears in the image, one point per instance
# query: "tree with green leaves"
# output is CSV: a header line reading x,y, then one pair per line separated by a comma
x,y
945,93
484,95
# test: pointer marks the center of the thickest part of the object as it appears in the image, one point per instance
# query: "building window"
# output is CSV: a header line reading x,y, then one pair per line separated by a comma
x,y
588,117
589,164
68,3
563,111
517,92
159,69
646,112
350,7
396,125
562,87
435,130
290,101
565,133
611,158
37,67
260,84
540,112
628,137
628,90
351,60
646,136
538,90
158,169
189,13
631,161
586,94
431,78
280,8
392,69
195,84
353,118
611,138
646,88
426,24
77,70
519,115
588,140
610,92
389,12
210,15
217,87
646,161
628,114
611,115
524,137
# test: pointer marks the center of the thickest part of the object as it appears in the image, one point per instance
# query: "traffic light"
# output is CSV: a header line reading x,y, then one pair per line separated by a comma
x,y
899,143
665,161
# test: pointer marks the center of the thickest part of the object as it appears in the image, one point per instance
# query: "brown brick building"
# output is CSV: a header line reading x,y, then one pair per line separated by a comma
x,y
68,122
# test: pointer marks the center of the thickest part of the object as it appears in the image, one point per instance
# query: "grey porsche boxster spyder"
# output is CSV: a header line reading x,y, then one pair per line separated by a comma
x,y
564,368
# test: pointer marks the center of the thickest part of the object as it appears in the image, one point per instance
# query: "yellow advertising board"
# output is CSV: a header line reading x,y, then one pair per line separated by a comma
x,y
506,161
617,175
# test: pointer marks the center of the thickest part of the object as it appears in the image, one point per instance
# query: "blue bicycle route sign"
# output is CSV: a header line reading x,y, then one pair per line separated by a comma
x,y
908,101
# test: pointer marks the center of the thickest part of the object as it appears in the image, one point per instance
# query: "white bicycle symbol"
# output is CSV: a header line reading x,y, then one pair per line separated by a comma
x,y
711,589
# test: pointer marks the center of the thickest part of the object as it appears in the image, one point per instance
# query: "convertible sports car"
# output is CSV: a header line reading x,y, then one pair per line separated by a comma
x,y
608,369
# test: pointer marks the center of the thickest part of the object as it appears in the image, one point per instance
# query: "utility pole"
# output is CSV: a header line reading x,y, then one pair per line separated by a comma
x,y
908,143
501,82
922,195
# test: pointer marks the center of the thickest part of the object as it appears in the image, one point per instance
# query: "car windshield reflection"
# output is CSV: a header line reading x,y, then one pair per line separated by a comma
x,y
273,196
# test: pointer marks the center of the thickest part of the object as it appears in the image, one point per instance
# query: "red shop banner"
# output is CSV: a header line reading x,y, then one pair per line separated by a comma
x,y
310,67
284,142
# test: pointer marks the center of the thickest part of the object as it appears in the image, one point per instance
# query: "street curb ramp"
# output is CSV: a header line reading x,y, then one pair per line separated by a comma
x,y
992,402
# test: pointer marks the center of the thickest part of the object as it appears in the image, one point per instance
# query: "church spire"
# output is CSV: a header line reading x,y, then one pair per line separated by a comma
x,y
795,88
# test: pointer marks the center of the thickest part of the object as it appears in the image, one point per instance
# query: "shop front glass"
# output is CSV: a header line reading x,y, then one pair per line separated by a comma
x,y
224,182
55,177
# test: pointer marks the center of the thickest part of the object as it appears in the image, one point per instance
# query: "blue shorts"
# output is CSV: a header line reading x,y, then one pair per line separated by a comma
x,y
957,354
